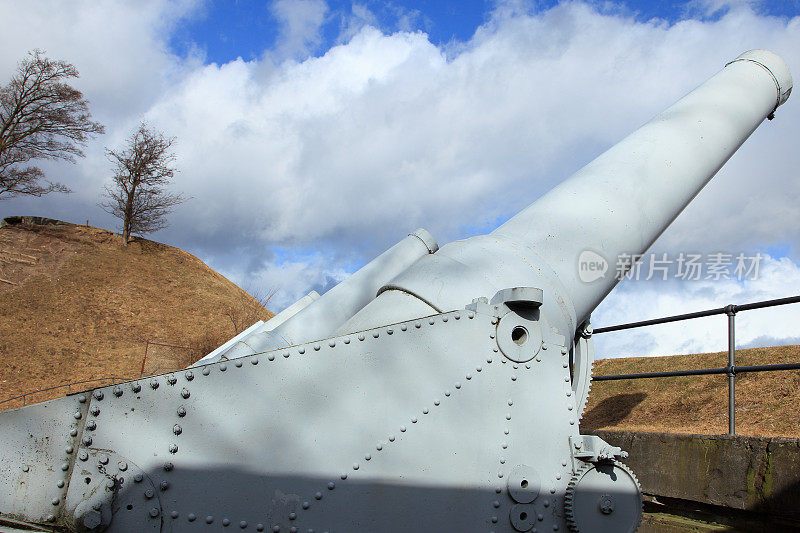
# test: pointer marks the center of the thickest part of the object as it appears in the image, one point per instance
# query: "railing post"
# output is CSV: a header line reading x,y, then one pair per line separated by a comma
x,y
731,312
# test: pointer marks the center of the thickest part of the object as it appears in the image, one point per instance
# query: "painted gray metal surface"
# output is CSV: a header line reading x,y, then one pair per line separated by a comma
x,y
448,402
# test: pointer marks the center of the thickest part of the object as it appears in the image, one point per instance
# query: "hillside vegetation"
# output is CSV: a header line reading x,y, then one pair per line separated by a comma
x,y
75,304
766,402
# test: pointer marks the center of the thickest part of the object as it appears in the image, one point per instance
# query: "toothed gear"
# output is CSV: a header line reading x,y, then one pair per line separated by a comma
x,y
582,365
603,497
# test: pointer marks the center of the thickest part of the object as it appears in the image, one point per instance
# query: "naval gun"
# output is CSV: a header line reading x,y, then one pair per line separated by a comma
x,y
437,389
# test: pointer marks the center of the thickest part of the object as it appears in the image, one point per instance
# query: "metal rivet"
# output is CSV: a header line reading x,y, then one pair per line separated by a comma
x,y
259,527
431,321
206,371
318,495
331,485
417,325
368,457
317,347
502,460
164,485
154,512
174,514
25,468
494,520
510,401
570,407
356,466
87,440
154,384
458,385
181,411
389,331
292,516
138,477
495,504
136,387
552,490
469,376
402,429
447,393
513,378
332,343
91,425
413,419
301,351
392,437
77,415
117,392
569,393
98,394
51,518
494,320
544,346
104,460
185,393
347,340
254,361
379,446
276,528
56,501
173,448
83,456
243,524
286,355
343,475
168,466
478,369
508,416
306,505
404,328
437,401
361,337
505,431
176,429
500,474
69,449
73,432
223,367
470,315
571,422
171,379
189,376
489,360
238,364
528,366
209,519
504,445
149,494
376,334
271,357
425,411
122,465
226,522
192,517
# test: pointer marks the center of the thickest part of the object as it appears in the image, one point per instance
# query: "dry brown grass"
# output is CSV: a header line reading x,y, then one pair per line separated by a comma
x,y
766,402
85,305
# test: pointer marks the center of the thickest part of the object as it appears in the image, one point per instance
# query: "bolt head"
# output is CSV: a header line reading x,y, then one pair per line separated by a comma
x,y
154,512
98,394
185,393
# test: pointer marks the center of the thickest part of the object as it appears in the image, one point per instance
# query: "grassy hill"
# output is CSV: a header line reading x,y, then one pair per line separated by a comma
x,y
75,304
766,402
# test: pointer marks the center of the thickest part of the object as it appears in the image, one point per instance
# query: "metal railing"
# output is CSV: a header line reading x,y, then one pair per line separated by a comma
x,y
730,370
114,380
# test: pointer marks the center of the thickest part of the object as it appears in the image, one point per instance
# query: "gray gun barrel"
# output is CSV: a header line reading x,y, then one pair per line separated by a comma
x,y
617,204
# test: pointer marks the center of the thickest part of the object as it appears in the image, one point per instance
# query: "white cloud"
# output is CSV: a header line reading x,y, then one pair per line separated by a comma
x,y
301,26
387,132
641,300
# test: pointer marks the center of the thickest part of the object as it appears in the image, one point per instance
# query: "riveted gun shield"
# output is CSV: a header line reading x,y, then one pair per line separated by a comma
x,y
436,389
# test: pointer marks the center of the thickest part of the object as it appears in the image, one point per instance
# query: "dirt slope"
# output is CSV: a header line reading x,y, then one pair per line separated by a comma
x,y
766,402
75,304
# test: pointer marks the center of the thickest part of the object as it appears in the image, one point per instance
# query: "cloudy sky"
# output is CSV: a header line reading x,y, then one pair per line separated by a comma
x,y
313,135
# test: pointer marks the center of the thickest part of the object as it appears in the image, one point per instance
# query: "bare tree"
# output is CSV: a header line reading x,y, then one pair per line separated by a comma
x,y
250,308
141,171
41,117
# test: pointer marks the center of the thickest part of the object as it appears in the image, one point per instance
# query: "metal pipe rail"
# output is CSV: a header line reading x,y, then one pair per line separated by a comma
x,y
730,370
114,380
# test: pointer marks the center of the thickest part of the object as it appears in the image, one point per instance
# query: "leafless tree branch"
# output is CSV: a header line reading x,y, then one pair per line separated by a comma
x,y
41,117
137,195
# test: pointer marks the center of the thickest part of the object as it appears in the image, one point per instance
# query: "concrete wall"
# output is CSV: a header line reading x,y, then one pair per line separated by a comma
x,y
749,473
